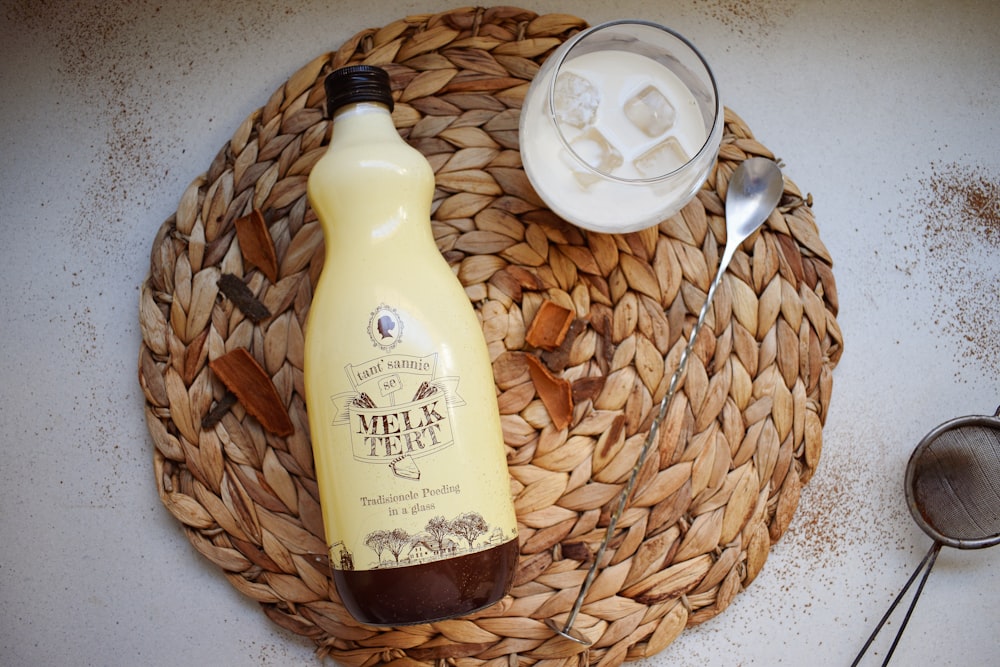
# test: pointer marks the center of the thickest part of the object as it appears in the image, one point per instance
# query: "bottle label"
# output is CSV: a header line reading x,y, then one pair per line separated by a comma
x,y
398,412
408,491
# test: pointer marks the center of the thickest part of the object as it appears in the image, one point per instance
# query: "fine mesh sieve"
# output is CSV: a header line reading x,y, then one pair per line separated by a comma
x,y
953,492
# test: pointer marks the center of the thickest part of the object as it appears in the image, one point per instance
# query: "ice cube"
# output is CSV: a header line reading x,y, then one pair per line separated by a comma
x,y
584,177
593,148
576,100
650,111
662,158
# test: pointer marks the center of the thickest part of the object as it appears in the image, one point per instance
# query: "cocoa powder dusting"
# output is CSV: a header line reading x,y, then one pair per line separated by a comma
x,y
964,199
753,19
92,70
959,214
115,64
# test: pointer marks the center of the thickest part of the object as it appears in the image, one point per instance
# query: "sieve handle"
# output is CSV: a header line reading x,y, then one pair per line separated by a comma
x,y
926,564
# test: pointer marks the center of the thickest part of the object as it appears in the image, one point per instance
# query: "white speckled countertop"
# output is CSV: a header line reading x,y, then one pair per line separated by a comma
x,y
887,112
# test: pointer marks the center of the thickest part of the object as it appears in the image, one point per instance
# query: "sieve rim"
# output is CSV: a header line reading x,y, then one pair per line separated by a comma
x,y
985,421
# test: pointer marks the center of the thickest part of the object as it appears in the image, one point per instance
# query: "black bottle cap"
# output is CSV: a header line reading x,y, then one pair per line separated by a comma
x,y
357,83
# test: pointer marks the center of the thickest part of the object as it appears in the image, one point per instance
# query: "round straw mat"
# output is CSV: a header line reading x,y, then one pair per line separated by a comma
x,y
740,440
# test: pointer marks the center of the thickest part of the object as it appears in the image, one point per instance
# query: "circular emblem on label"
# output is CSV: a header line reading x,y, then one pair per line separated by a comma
x,y
385,328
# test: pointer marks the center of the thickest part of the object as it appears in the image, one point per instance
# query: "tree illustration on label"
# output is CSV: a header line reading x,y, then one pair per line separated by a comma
x,y
438,529
396,540
377,541
469,526
393,541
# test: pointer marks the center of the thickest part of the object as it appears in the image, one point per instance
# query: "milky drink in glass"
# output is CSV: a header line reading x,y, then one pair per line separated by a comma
x,y
617,135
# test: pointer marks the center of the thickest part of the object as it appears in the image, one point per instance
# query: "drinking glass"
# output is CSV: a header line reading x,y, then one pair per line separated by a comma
x,y
621,126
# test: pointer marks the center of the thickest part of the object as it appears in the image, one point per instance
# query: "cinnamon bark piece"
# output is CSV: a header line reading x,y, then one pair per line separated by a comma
x,y
556,393
549,327
243,376
256,244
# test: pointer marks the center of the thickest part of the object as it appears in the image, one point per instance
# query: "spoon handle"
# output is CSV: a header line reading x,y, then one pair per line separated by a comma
x,y
647,447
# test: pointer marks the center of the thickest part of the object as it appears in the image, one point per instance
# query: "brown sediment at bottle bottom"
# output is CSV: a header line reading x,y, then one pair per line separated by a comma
x,y
430,591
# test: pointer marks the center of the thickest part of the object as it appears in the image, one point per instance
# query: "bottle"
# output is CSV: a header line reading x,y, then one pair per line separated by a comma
x,y
402,405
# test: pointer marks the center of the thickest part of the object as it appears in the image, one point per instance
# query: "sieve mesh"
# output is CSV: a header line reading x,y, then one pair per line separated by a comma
x,y
954,484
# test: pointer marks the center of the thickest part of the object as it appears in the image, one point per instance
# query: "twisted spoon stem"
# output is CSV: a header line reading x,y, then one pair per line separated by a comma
x,y
754,190
647,447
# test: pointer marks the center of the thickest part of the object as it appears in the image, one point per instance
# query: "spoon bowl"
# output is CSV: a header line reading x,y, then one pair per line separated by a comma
x,y
754,190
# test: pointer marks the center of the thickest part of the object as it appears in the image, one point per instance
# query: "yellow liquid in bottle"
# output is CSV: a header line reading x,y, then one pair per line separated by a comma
x,y
402,407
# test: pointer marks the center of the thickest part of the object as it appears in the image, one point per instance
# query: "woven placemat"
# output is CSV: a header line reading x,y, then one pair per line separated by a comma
x,y
741,439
